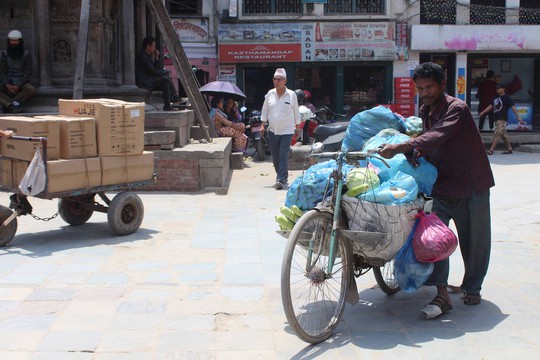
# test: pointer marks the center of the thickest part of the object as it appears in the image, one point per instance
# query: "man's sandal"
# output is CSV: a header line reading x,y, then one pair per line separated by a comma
x,y
436,307
489,152
469,299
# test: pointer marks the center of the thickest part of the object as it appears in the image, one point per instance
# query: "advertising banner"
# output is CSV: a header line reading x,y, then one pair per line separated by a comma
x,y
320,41
475,37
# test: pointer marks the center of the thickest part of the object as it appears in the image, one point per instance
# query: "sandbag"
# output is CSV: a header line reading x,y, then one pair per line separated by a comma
x,y
368,123
410,274
395,220
425,174
313,186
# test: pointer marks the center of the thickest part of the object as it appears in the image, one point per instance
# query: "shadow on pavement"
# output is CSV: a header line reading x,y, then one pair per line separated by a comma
x,y
68,237
380,322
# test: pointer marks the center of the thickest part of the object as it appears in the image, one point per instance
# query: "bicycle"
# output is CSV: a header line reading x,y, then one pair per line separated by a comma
x,y
321,261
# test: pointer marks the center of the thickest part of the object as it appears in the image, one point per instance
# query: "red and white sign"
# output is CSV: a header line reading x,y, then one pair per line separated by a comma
x,y
233,53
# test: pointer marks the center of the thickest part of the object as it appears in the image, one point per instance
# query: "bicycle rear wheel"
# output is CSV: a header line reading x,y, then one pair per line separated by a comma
x,y
314,299
385,278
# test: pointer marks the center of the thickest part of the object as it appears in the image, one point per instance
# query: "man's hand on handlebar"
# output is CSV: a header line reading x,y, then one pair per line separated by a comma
x,y
388,151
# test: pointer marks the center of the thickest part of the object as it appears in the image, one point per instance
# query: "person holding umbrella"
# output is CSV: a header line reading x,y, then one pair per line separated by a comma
x,y
280,111
225,127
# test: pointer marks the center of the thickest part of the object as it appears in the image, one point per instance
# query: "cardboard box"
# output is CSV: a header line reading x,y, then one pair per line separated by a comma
x,y
77,136
125,169
26,126
119,125
73,174
12,172
6,172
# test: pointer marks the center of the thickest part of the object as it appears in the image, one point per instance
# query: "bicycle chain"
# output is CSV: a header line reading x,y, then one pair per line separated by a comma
x,y
44,219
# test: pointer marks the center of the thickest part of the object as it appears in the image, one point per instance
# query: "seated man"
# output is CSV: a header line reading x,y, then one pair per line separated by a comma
x,y
15,73
149,75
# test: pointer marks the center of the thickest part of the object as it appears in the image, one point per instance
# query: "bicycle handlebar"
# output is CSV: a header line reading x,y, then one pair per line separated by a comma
x,y
353,155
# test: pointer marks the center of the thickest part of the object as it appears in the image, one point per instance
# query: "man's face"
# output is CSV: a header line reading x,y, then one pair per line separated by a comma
x,y
429,90
14,42
151,48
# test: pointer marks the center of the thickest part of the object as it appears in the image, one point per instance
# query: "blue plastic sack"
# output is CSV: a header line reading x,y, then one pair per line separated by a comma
x,y
368,123
425,174
308,190
387,193
410,274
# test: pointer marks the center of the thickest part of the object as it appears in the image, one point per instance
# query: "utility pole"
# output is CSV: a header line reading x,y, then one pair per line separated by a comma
x,y
182,66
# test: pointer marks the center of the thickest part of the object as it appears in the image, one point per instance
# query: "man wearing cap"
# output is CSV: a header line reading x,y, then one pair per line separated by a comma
x,y
500,107
280,112
15,74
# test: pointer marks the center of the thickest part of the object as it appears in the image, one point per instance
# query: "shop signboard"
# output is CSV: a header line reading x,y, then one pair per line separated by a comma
x,y
320,41
191,30
233,53
475,37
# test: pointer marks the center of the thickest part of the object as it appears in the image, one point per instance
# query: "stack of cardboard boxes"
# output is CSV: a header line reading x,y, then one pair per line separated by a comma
x,y
90,143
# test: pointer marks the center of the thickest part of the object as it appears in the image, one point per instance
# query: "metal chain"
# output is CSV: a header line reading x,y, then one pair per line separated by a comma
x,y
45,219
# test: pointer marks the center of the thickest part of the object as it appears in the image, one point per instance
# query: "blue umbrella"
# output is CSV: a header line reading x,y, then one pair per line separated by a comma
x,y
224,89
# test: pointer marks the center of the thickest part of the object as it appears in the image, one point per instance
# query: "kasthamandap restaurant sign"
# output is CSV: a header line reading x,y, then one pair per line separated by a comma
x,y
475,37
293,42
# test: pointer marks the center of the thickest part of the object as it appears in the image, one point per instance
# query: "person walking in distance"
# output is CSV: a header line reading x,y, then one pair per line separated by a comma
x,y
486,93
280,112
452,143
15,74
501,104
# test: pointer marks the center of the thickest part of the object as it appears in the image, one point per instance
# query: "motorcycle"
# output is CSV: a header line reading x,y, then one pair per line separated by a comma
x,y
253,131
324,129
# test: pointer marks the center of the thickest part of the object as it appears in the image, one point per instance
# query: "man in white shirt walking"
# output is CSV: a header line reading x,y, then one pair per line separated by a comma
x,y
280,112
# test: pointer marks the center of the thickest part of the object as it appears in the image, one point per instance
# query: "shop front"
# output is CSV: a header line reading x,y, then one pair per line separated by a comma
x,y
345,66
511,52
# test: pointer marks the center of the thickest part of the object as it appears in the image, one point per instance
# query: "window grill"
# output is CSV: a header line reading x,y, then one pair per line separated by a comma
x,y
271,7
371,7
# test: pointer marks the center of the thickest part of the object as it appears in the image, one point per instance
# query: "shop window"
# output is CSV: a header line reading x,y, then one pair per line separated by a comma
x,y
377,7
437,12
529,12
256,7
185,7
488,12
364,87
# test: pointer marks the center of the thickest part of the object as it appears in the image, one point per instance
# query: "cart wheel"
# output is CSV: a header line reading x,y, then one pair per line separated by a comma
x,y
314,298
125,214
385,278
7,233
73,212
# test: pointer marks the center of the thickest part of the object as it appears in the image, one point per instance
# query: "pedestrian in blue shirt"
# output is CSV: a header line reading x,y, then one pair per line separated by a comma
x,y
500,107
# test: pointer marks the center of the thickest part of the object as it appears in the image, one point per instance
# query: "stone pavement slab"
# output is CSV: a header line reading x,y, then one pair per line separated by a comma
x,y
201,280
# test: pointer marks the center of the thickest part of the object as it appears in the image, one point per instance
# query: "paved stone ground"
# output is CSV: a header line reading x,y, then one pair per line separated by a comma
x,y
200,280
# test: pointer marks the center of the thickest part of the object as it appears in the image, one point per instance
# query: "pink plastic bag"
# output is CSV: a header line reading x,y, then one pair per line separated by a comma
x,y
433,240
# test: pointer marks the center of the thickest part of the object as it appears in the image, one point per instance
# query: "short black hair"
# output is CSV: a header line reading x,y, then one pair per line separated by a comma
x,y
429,70
148,41
489,74
215,101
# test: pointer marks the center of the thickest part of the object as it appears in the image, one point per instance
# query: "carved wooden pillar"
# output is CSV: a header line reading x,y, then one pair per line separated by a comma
x,y
42,30
128,44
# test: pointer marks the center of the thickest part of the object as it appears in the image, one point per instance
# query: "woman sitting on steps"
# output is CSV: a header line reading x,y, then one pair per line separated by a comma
x,y
226,128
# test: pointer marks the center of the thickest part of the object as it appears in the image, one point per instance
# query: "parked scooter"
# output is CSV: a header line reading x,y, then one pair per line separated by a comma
x,y
253,131
330,131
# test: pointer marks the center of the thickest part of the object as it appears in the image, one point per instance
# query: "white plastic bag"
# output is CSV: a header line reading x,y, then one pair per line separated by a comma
x,y
33,181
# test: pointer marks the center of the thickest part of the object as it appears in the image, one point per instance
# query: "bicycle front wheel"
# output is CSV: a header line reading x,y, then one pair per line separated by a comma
x,y
313,297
